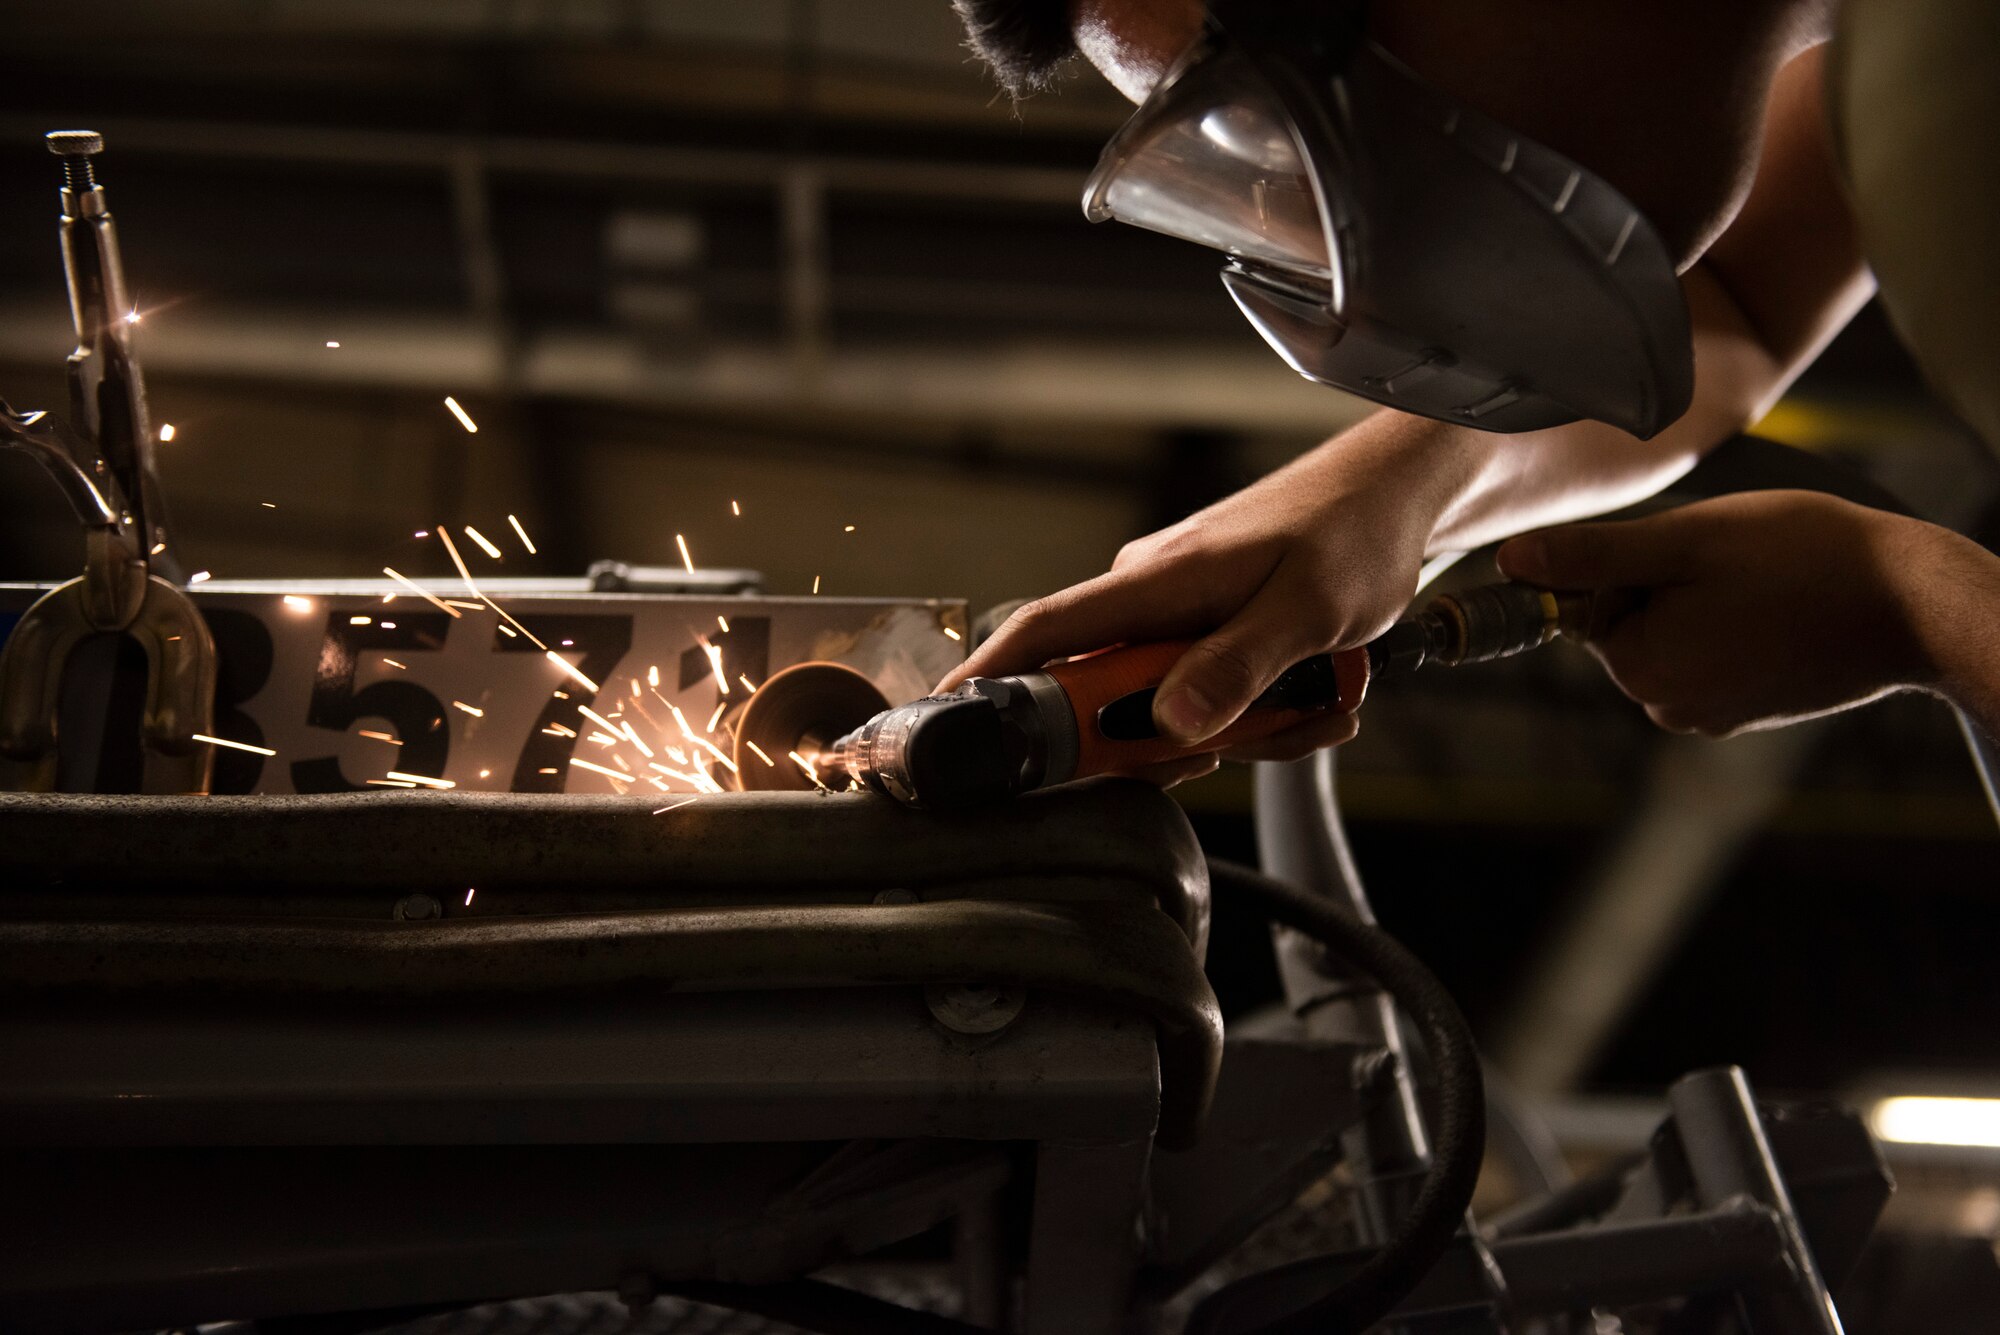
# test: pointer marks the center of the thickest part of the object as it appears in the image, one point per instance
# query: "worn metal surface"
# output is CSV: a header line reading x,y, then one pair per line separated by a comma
x,y
341,1106
355,855
203,1232
1120,955
1084,1243
572,1069
1281,1107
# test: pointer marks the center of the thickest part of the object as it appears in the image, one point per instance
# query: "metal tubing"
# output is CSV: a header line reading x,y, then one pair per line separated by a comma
x,y
1125,955
1730,1160
1301,840
353,855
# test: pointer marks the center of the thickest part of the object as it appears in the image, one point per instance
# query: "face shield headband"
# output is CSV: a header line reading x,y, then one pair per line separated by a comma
x,y
1388,241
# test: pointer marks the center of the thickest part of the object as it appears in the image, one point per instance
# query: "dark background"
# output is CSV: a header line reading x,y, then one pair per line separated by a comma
x,y
801,253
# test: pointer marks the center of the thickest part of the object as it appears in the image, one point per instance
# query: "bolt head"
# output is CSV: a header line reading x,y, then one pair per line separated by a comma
x,y
75,143
974,1008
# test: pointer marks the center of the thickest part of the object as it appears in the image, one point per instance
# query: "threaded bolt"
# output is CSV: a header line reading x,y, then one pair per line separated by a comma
x,y
76,148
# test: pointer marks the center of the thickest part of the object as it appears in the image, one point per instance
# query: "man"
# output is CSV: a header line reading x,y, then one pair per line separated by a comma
x,y
1709,117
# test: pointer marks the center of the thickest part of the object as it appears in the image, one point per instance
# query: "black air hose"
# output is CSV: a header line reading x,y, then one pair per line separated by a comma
x,y
1372,1291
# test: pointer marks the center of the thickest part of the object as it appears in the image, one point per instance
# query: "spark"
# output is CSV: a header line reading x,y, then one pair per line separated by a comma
x,y
598,719
463,605
602,739
815,583
606,771
736,509
644,749
559,730
700,741
951,634
198,577
460,413
686,801
388,625
569,644
484,545
451,549
389,783
716,717
636,688
372,735
848,529
133,317
421,533
268,505
390,662
522,534
469,894
619,761
333,343
680,757
548,770
508,631
166,432
411,584
158,547
297,604
714,652
687,777
361,621
486,774
748,684
652,677
234,746
561,695
686,560
760,753
723,622
476,713
811,773
422,779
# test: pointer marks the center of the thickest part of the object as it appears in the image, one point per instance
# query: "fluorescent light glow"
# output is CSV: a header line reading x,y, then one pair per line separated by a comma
x,y
1912,1120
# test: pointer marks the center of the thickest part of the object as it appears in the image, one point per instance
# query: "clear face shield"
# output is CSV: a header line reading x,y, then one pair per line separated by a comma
x,y
1387,241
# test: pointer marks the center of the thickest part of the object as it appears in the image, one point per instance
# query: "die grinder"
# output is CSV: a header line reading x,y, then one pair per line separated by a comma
x,y
997,737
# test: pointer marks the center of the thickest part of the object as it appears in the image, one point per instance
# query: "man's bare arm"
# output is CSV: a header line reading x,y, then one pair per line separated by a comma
x,y
1781,281
1324,553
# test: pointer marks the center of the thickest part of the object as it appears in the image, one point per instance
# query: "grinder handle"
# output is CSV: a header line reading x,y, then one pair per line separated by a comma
x,y
1126,677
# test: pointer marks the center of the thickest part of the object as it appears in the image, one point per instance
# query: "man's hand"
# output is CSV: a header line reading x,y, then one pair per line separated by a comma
x,y
1322,554
1765,608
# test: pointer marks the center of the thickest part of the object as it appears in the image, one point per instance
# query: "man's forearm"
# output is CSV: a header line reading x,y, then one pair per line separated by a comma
x,y
1482,487
1952,587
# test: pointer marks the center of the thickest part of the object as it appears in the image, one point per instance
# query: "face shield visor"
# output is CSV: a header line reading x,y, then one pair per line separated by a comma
x,y
1387,241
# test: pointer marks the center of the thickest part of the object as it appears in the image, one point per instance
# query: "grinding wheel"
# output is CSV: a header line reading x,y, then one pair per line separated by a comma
x,y
805,708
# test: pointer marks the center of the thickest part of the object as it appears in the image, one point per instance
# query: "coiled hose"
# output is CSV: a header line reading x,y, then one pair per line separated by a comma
x,y
1373,1290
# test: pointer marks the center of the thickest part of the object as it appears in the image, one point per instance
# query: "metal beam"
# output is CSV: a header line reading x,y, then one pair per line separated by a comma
x,y
1704,801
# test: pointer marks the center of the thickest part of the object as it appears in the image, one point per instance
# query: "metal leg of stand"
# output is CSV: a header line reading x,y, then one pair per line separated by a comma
x,y
1301,840
1085,1250
1730,1159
